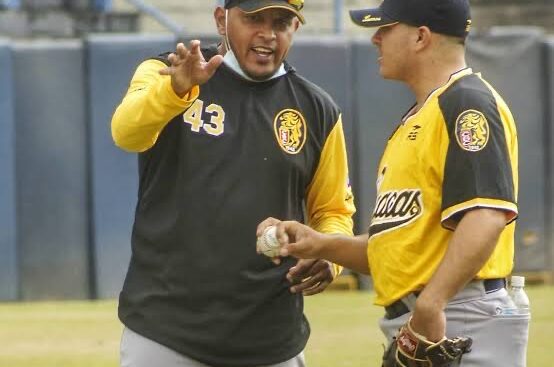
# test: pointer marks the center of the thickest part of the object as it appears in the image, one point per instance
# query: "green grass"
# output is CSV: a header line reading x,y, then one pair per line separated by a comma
x,y
59,334
344,332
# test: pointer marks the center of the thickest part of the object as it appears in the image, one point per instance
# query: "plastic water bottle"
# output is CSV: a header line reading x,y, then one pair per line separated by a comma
x,y
518,295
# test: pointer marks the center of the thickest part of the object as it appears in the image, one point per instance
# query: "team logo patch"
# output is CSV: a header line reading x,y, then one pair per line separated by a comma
x,y
472,131
290,130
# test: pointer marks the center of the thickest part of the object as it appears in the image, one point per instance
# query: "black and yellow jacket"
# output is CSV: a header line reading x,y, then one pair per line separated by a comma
x,y
212,166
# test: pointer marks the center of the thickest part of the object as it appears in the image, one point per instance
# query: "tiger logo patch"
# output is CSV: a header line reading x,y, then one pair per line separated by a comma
x,y
290,130
472,130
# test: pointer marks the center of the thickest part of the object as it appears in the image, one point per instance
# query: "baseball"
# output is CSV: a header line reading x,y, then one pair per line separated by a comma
x,y
268,243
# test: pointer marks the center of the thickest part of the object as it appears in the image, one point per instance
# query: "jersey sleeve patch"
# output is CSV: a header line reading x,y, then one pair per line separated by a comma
x,y
472,130
478,160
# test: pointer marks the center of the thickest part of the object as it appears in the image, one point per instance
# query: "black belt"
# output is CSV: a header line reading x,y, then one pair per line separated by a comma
x,y
399,308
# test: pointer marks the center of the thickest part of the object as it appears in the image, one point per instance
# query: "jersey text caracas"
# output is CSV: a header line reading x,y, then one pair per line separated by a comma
x,y
394,209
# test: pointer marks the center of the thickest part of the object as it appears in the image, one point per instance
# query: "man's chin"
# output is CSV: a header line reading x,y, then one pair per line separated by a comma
x,y
260,75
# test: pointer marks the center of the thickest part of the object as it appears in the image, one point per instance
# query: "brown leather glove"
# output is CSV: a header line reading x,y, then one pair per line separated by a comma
x,y
410,349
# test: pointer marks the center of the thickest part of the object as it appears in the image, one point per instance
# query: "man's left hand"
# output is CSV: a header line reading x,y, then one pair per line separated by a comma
x,y
310,276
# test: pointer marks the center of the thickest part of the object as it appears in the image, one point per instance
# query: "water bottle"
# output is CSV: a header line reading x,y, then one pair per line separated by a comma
x,y
518,295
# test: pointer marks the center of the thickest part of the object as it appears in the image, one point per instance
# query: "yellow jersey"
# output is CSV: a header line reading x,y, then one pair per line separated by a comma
x,y
457,153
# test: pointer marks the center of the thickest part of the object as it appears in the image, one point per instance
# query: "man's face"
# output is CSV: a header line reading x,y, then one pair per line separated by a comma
x,y
394,45
261,40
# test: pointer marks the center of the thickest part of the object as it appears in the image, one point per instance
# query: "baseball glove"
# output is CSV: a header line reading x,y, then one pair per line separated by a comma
x,y
410,349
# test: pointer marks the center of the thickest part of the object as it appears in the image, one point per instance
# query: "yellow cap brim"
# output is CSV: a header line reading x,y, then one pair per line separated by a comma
x,y
249,10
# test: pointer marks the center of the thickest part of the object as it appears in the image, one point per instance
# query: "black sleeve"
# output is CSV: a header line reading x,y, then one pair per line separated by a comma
x,y
478,169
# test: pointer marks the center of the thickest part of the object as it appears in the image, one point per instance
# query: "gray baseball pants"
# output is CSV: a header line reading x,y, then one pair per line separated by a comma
x,y
138,351
499,339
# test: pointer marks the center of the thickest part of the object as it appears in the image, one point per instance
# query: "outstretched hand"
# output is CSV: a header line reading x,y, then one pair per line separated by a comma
x,y
296,239
310,275
189,68
303,241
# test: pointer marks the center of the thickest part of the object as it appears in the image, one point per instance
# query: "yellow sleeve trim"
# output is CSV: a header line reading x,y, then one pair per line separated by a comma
x,y
148,106
448,214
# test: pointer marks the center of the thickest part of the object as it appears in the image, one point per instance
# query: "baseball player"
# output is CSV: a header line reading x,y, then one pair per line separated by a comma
x,y
441,239
227,135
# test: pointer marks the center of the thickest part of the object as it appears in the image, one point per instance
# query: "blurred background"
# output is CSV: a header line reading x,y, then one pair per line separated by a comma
x,y
71,18
67,195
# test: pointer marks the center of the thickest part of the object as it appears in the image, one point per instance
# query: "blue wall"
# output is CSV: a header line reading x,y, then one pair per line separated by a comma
x,y
102,4
12,4
8,252
549,123
51,169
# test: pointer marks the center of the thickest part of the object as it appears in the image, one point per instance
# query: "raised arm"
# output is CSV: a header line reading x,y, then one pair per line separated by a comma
x,y
157,93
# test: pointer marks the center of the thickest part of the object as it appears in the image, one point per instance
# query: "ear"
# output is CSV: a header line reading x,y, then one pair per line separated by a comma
x,y
220,21
296,23
424,36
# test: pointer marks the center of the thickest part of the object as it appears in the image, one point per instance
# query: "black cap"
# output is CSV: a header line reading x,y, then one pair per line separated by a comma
x,y
450,17
253,6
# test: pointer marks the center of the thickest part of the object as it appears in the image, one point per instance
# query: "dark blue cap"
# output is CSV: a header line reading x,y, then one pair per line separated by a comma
x,y
450,17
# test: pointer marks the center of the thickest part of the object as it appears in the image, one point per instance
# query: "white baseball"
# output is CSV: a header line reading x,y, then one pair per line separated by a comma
x,y
268,244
